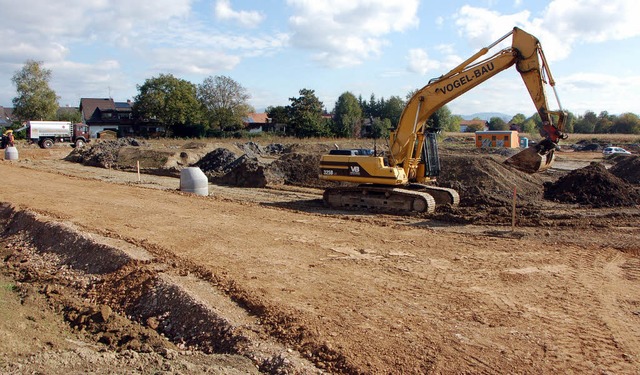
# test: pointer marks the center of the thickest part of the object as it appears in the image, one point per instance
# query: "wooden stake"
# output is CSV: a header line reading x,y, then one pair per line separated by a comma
x,y
513,210
138,163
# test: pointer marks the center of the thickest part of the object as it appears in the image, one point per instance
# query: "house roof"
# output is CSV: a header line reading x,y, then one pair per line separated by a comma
x,y
88,106
257,118
123,106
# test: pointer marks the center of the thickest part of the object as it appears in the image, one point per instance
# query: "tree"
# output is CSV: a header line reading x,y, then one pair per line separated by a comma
x,y
392,110
496,123
35,100
455,123
569,122
225,102
586,124
69,114
279,115
305,115
475,127
372,109
347,117
518,119
170,100
380,128
604,123
529,126
441,119
626,123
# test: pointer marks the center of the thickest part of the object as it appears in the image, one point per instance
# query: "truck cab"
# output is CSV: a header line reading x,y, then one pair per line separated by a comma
x,y
80,134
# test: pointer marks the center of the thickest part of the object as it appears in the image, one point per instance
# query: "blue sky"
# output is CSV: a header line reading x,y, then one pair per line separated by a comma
x,y
102,48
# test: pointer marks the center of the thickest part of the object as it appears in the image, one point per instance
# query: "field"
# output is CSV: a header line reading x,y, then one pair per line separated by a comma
x,y
107,270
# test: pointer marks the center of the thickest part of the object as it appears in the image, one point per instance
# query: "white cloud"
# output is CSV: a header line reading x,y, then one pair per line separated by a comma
x,y
420,63
609,88
345,33
562,24
86,36
193,62
593,20
73,80
482,26
224,12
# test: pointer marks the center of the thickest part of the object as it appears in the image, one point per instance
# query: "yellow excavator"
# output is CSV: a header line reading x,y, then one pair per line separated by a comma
x,y
402,180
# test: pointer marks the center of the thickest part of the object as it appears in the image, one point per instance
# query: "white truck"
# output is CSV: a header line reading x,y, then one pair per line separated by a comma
x,y
46,133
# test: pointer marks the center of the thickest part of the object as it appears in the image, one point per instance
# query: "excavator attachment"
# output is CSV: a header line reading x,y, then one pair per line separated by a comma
x,y
532,159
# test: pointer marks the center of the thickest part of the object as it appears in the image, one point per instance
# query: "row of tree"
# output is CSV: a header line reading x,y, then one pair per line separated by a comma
x,y
219,105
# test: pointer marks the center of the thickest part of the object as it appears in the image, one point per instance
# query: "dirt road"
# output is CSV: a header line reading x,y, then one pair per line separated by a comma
x,y
376,294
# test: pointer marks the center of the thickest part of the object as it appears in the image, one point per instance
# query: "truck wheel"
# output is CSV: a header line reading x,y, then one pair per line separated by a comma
x,y
46,143
79,143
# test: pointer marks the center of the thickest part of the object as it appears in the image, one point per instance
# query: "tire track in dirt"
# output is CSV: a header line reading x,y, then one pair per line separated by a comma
x,y
579,329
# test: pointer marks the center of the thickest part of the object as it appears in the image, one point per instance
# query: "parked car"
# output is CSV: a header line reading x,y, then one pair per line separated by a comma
x,y
615,150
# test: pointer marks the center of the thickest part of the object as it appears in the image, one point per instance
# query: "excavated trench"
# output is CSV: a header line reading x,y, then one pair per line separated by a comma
x,y
159,293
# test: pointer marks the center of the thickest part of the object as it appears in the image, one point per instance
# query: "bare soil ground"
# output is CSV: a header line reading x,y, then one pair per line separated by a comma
x,y
105,270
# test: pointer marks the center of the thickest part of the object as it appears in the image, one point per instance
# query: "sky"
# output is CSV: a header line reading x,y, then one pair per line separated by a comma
x,y
107,48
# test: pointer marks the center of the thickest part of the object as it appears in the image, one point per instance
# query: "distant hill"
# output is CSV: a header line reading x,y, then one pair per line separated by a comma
x,y
487,116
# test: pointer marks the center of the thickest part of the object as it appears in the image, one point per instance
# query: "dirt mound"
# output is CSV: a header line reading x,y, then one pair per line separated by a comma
x,y
224,167
485,181
216,162
276,149
244,172
628,169
101,154
298,169
250,149
592,185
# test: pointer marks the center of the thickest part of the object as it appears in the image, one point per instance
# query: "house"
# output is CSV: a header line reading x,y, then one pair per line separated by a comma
x,y
105,114
465,124
257,123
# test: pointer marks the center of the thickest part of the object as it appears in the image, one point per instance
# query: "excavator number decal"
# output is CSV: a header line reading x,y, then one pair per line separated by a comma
x,y
354,170
477,73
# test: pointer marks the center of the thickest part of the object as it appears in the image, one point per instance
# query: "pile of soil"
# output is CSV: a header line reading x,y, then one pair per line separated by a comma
x,y
627,168
102,154
245,171
483,181
592,185
217,162
276,149
299,170
251,170
250,149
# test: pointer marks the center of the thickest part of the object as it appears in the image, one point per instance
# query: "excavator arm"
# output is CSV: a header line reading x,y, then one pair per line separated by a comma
x,y
406,142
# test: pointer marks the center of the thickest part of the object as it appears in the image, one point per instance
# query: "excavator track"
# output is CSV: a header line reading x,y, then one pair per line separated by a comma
x,y
440,194
413,199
